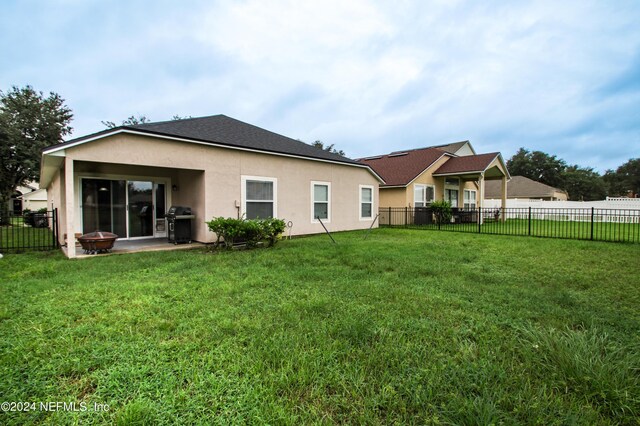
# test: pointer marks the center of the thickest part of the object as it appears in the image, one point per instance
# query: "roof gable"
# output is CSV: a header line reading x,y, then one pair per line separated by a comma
x,y
458,148
467,164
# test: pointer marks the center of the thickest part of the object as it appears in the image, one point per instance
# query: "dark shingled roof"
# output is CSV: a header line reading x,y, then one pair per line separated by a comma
x,y
520,187
467,164
223,130
401,167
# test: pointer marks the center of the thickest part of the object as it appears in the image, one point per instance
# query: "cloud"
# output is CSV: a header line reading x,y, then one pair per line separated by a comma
x,y
369,76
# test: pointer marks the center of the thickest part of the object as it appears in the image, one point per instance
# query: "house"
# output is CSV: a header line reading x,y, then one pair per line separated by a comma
x,y
524,188
453,172
27,196
124,179
34,200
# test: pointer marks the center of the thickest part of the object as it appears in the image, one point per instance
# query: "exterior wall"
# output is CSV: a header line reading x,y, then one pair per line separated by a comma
x,y
464,150
209,180
393,197
55,199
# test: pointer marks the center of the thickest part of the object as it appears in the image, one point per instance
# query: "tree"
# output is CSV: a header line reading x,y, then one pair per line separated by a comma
x,y
624,179
583,184
29,122
131,121
538,166
329,148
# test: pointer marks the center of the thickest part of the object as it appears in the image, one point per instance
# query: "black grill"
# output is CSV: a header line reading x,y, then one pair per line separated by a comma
x,y
179,219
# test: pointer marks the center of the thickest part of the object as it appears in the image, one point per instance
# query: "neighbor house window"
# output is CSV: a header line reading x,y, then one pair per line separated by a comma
x,y
366,202
451,191
259,197
423,195
469,199
320,201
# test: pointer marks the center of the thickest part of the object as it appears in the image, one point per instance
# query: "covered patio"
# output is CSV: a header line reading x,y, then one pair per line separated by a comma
x,y
477,169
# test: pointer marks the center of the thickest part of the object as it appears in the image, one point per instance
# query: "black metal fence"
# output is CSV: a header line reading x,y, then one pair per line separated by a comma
x,y
28,231
619,225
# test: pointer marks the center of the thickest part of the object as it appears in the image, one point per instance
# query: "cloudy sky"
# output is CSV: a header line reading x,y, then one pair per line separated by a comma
x,y
368,76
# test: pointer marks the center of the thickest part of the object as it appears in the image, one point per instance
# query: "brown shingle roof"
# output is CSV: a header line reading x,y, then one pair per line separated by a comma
x,y
402,167
467,164
520,187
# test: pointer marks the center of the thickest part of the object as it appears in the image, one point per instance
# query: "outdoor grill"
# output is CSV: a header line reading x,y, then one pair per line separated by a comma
x,y
179,219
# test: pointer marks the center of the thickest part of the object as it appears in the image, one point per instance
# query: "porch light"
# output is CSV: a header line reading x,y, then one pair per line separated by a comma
x,y
103,189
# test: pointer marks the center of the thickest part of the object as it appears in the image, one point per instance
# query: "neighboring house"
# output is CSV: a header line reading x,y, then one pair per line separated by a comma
x,y
18,203
34,200
524,188
454,172
124,179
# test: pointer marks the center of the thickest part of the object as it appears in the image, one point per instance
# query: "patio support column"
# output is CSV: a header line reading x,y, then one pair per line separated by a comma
x,y
69,207
481,195
504,199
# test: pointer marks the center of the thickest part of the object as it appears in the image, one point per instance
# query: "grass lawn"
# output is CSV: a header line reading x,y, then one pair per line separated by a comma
x,y
407,327
17,237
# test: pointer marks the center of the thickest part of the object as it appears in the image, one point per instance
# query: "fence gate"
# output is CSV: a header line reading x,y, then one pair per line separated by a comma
x,y
28,231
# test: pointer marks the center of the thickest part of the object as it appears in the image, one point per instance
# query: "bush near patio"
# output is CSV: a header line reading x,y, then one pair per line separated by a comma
x,y
248,231
407,327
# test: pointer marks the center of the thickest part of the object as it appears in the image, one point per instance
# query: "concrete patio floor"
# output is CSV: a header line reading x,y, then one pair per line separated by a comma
x,y
136,246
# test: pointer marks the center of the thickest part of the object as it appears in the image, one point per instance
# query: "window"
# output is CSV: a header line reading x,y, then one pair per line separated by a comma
x,y
469,199
320,201
451,191
423,195
366,202
451,195
259,197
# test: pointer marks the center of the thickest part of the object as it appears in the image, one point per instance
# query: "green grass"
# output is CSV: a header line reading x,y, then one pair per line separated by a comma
x,y
602,231
407,327
18,238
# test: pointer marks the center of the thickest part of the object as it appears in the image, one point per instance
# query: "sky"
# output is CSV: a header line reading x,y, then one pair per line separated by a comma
x,y
371,77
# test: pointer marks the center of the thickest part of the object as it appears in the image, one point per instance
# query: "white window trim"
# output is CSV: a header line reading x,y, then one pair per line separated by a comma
x,y
424,187
475,197
313,201
243,192
373,199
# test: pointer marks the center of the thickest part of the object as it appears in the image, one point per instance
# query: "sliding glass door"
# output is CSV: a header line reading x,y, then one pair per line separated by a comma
x,y
130,209
140,208
103,204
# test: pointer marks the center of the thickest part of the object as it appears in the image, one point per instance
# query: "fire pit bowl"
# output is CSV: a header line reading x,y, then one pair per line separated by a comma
x,y
97,242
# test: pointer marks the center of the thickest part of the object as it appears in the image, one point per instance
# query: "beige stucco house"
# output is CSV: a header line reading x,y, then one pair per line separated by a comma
x,y
124,179
453,172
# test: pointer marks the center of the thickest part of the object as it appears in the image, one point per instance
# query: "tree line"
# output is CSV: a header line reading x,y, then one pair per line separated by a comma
x,y
581,183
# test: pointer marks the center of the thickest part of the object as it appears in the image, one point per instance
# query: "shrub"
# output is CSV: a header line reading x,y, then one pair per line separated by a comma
x,y
442,211
27,217
230,231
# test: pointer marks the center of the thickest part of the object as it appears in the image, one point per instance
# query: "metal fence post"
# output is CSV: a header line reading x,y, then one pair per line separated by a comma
x,y
592,213
389,216
406,216
56,229
479,220
529,220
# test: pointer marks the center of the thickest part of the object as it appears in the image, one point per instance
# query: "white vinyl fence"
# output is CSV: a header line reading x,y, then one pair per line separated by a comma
x,y
615,210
